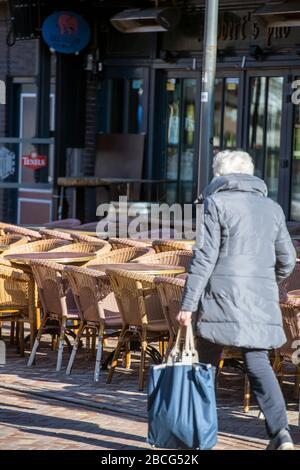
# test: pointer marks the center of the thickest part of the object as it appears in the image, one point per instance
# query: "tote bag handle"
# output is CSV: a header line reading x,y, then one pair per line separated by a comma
x,y
184,350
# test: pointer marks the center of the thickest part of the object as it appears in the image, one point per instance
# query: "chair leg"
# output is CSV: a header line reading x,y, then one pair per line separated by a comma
x,y
21,339
127,356
297,383
247,395
116,355
12,332
144,345
99,353
75,348
37,342
61,343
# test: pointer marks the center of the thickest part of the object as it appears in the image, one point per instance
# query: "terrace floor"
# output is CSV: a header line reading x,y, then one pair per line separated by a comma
x,y
43,409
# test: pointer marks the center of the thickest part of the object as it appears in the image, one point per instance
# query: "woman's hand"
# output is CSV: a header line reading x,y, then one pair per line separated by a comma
x,y
184,318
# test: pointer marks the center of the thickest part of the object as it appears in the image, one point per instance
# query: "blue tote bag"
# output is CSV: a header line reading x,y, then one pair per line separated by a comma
x,y
181,400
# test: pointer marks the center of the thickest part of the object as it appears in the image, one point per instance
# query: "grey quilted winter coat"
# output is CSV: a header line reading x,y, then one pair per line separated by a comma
x,y
245,251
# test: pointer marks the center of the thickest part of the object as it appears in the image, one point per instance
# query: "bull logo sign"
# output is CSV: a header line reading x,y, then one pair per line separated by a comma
x,y
66,32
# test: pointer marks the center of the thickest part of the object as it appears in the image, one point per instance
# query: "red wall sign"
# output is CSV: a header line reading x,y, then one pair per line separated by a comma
x,y
34,161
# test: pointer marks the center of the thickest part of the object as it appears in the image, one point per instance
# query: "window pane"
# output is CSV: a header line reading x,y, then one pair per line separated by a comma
x,y
116,105
218,113
295,201
135,110
273,131
188,140
231,112
257,121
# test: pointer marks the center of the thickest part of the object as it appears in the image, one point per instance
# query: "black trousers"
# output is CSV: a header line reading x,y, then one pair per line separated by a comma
x,y
263,381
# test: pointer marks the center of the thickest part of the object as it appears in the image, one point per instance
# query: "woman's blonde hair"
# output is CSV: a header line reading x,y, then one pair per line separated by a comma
x,y
228,162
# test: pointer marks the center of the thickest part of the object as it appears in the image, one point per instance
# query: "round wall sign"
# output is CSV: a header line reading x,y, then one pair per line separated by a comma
x,y
66,32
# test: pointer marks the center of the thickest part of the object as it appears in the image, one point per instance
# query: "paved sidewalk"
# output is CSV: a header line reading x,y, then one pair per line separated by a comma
x,y
43,409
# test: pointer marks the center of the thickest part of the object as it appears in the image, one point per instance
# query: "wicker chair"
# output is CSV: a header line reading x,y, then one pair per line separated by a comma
x,y
11,241
14,229
118,256
141,313
284,355
289,284
118,243
171,245
64,223
32,247
36,247
53,291
97,242
75,248
16,302
50,233
174,258
97,307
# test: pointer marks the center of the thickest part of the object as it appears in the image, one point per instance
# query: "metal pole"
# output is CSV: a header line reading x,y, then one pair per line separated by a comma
x,y
206,134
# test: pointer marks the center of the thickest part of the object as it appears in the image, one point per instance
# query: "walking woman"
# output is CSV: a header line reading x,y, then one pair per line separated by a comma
x,y
232,286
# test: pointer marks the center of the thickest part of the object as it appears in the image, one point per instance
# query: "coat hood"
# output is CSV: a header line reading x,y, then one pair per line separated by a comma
x,y
235,182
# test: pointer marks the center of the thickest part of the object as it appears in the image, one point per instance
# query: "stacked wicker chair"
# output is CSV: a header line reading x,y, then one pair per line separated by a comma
x,y
141,313
97,307
75,248
11,241
15,229
171,245
33,247
174,258
16,302
118,243
284,355
123,255
97,242
53,296
50,233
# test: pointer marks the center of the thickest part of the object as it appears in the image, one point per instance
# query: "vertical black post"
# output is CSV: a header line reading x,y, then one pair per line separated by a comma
x,y
43,106
206,134
69,114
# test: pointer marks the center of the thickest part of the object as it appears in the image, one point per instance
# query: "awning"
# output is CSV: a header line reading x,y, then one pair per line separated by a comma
x,y
280,13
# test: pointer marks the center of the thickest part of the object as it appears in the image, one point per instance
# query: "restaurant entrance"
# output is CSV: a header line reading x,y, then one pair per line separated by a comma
x,y
253,111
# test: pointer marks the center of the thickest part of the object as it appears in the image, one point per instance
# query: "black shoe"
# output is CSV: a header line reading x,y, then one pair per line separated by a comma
x,y
282,441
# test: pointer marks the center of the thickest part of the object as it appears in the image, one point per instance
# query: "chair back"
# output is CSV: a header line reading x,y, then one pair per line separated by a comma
x,y
75,248
15,229
36,247
136,296
51,285
50,233
161,246
170,292
92,293
118,256
118,243
173,258
291,325
289,284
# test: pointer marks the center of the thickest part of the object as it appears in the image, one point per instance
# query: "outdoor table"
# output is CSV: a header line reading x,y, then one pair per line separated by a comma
x,y
151,269
79,183
61,257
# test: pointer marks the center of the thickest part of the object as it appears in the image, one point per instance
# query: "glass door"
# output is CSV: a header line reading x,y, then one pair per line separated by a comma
x,y
266,98
123,101
180,129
